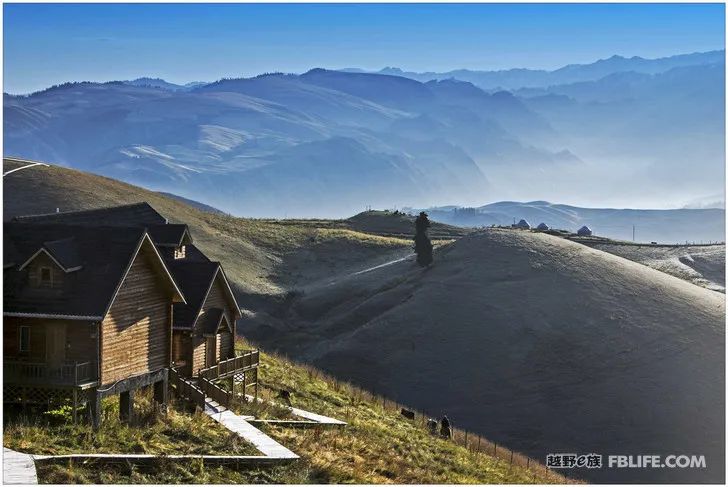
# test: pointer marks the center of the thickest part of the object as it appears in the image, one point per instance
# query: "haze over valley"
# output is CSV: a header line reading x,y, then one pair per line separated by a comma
x,y
620,132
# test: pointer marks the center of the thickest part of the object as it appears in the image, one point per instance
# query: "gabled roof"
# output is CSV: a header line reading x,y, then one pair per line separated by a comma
x,y
196,280
170,235
135,214
10,254
105,255
211,320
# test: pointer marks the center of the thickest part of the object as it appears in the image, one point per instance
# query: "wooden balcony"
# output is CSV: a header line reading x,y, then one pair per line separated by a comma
x,y
39,373
243,362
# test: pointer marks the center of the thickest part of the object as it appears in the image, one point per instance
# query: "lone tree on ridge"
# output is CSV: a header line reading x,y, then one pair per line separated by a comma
x,y
423,246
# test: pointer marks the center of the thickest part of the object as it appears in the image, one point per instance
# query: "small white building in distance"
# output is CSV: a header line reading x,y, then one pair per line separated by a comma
x,y
523,224
543,227
584,231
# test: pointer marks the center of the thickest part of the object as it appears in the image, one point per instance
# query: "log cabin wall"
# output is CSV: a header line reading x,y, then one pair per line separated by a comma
x,y
198,353
80,339
182,351
136,332
217,298
11,339
225,342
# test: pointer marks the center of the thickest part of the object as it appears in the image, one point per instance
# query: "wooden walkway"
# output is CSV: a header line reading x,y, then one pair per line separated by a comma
x,y
18,468
149,459
237,424
314,418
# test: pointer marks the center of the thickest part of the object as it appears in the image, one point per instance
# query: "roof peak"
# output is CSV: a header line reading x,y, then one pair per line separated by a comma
x,y
88,210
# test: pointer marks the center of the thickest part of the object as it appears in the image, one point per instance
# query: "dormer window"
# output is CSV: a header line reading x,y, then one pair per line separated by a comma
x,y
46,276
180,252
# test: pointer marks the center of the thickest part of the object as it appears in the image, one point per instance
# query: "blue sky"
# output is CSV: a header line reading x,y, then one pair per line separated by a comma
x,y
49,44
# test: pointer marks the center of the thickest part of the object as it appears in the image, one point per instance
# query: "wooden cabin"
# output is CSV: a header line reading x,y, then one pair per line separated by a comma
x,y
104,301
87,313
204,326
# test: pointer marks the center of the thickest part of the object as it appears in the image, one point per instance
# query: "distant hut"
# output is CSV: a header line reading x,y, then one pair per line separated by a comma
x,y
543,227
584,231
523,224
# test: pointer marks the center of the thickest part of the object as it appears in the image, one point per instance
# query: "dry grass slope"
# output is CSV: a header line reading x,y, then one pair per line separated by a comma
x,y
534,341
253,251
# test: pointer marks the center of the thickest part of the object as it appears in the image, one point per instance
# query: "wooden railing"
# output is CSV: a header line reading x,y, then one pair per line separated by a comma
x,y
245,361
44,373
215,392
186,389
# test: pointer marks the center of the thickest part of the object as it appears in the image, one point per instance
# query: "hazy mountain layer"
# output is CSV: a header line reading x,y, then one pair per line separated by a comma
x,y
532,78
663,226
626,132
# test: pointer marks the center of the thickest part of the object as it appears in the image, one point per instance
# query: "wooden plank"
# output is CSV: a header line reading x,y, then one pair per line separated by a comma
x,y
141,458
264,443
18,468
301,413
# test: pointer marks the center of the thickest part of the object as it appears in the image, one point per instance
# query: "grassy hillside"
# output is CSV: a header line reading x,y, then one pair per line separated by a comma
x,y
254,252
703,265
534,341
378,446
267,257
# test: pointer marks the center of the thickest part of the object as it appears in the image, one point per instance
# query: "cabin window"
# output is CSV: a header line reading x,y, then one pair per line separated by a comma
x,y
179,252
46,277
24,332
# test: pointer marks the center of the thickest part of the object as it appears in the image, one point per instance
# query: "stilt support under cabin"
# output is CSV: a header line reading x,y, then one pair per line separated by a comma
x,y
94,409
161,391
126,406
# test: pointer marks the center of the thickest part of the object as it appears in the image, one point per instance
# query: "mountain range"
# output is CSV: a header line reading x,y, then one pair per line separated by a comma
x,y
329,143
507,79
699,225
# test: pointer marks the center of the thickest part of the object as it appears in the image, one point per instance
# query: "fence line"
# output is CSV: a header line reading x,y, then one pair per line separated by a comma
x,y
459,436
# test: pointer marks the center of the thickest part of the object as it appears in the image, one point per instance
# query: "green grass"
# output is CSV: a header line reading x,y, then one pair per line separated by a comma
x,y
378,445
181,431
251,250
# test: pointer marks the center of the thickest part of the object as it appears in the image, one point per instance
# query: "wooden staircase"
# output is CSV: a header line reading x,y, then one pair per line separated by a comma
x,y
203,390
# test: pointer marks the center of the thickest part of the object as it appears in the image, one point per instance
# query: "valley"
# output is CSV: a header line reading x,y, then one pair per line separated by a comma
x,y
329,143
537,342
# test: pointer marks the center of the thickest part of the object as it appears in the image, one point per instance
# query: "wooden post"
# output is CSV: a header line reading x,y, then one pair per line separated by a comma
x,y
161,389
256,384
126,406
75,405
245,399
94,409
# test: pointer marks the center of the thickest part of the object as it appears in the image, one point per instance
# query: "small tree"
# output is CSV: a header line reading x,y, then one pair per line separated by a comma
x,y
423,246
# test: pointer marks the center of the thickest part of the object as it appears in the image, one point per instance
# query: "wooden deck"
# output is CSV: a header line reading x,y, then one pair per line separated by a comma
x,y
18,468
